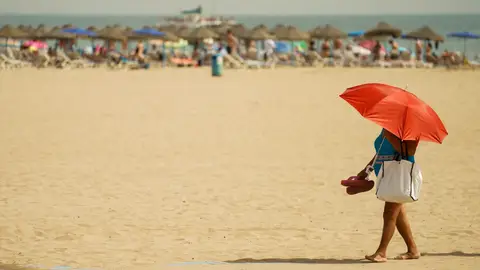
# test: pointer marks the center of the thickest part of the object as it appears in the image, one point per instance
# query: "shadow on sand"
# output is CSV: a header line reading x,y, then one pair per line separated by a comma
x,y
300,261
343,261
12,267
453,253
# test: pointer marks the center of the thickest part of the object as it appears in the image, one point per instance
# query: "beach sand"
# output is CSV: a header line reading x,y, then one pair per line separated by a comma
x,y
142,169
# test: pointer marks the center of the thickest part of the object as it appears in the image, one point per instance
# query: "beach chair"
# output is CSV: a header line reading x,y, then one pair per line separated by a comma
x,y
248,63
11,62
232,62
12,56
43,60
67,61
3,66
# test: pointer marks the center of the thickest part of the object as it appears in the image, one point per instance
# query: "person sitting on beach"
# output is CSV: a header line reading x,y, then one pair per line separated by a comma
x,y
139,53
337,44
430,57
325,52
394,52
376,51
418,50
232,42
252,51
394,214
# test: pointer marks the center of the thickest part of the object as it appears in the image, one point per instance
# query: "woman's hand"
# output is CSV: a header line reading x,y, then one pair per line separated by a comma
x,y
362,175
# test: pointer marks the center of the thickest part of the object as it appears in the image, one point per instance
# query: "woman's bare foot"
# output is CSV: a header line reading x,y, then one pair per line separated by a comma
x,y
408,256
377,258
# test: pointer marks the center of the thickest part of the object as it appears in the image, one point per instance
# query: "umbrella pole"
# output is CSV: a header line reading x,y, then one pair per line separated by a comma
x,y
424,54
464,49
164,55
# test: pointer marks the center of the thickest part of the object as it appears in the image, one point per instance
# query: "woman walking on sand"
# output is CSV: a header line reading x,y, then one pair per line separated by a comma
x,y
389,147
405,120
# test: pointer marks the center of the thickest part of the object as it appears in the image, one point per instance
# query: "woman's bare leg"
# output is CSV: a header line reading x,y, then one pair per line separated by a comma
x,y
390,214
403,228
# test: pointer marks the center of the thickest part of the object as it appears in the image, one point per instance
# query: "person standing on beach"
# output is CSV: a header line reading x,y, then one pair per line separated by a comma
x,y
232,42
390,147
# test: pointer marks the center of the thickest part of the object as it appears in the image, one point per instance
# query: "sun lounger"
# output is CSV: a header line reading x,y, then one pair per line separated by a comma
x,y
12,63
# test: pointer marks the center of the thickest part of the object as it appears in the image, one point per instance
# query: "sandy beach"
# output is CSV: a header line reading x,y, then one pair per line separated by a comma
x,y
145,169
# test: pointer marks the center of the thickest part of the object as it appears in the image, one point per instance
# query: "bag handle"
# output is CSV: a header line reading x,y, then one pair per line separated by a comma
x,y
402,144
369,169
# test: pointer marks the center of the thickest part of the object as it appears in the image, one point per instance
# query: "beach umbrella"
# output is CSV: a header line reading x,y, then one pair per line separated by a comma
x,y
383,29
169,37
39,31
239,30
202,33
127,30
279,30
92,28
258,34
9,31
54,33
112,33
424,33
168,28
328,32
183,32
146,34
292,34
356,33
396,110
221,30
28,29
68,25
464,36
261,26
79,32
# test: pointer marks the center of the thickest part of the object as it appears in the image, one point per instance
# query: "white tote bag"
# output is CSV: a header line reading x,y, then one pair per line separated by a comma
x,y
399,181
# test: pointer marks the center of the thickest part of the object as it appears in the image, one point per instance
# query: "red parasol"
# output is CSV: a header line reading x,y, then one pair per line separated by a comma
x,y
397,110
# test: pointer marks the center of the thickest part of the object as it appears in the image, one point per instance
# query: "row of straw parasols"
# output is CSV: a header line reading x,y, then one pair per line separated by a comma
x,y
260,32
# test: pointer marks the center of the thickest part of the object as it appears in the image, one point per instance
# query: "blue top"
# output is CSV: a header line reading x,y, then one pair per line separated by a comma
x,y
386,153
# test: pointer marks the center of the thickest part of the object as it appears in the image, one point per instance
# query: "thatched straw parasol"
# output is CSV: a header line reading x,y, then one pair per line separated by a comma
x,y
112,33
202,33
66,26
128,30
239,30
93,28
54,33
258,34
262,26
169,37
328,32
221,30
168,28
183,32
39,31
425,33
293,34
9,31
383,29
279,30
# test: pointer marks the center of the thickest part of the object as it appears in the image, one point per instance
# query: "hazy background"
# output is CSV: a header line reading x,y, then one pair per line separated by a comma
x,y
262,7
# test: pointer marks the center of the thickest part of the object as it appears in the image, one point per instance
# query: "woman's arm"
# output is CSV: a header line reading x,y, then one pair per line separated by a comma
x,y
363,173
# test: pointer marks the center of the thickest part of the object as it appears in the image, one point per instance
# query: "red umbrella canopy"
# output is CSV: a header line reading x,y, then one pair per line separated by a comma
x,y
396,110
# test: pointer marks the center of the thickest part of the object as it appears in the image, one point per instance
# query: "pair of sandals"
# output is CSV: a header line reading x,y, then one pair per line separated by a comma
x,y
355,185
